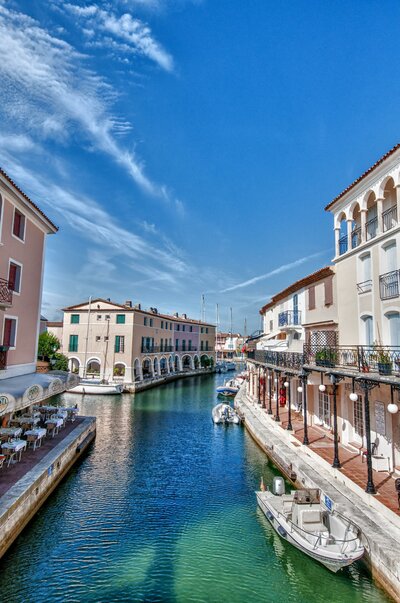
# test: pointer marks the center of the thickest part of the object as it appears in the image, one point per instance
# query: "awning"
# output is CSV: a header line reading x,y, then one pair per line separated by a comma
x,y
16,393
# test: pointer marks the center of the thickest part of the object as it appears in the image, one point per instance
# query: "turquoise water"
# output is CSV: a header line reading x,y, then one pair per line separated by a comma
x,y
163,509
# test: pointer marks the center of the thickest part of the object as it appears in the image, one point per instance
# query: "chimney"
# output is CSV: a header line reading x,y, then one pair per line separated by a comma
x,y
184,316
128,303
138,307
176,315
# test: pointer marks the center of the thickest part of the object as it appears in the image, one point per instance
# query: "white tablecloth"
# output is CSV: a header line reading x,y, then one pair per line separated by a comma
x,y
55,421
12,432
16,446
39,432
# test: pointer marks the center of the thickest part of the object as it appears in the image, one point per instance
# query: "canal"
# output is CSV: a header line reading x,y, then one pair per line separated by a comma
x,y
163,509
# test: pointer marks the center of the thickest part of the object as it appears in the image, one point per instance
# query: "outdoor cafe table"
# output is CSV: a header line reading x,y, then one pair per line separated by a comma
x,y
54,424
35,436
9,432
27,422
72,412
11,449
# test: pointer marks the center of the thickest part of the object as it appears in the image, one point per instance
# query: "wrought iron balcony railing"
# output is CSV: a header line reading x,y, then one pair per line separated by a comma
x,y
384,360
6,294
389,218
156,349
356,237
343,245
185,349
365,286
389,284
371,228
3,357
289,318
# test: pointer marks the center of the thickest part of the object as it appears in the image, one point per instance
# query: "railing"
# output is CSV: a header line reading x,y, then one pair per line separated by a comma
x,y
356,237
289,318
3,359
389,284
185,349
371,228
389,218
6,294
343,245
156,349
384,360
365,286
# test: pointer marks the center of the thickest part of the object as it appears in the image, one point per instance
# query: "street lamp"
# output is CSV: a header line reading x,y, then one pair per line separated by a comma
x,y
277,417
270,393
303,389
287,386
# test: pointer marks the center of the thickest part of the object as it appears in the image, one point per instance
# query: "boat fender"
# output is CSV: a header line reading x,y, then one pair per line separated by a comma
x,y
282,531
270,516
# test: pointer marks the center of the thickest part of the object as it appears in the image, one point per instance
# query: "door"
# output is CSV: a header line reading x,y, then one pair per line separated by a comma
x,y
295,309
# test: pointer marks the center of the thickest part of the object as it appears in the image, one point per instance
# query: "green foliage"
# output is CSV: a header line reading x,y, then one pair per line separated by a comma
x,y
61,362
48,346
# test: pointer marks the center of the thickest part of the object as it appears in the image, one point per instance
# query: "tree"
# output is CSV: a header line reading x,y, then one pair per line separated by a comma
x,y
48,346
59,362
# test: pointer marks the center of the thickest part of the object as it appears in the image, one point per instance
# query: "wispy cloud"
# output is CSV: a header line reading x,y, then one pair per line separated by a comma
x,y
279,270
134,33
47,90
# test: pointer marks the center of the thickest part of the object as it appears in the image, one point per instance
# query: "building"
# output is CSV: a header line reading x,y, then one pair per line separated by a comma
x,y
228,345
124,341
332,340
23,231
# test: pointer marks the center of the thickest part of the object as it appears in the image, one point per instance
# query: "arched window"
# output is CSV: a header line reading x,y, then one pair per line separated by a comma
x,y
394,328
368,322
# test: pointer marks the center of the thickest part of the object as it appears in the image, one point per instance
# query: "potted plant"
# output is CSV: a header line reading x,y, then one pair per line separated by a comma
x,y
4,348
384,362
326,357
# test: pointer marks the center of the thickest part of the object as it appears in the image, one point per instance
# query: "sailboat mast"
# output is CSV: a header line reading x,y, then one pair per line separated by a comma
x,y
87,337
106,350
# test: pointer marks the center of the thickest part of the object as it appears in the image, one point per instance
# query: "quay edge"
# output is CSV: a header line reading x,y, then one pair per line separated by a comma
x,y
23,500
148,384
382,536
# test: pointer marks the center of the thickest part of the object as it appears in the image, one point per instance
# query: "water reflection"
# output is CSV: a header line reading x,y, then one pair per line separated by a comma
x,y
163,509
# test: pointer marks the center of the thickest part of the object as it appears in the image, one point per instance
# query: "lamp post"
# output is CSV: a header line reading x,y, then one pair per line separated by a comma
x,y
277,417
270,393
335,380
287,385
303,377
367,386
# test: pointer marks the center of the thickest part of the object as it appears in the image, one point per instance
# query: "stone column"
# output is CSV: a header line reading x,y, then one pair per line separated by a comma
x,y
349,229
337,237
398,202
363,223
379,203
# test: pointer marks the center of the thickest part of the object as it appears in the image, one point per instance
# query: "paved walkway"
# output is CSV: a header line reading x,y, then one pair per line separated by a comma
x,y
354,466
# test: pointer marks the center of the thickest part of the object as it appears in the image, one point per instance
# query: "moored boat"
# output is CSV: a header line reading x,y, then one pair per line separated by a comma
x,y
95,386
306,520
229,389
223,413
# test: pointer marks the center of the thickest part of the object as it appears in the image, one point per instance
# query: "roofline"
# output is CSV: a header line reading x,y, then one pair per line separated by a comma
x,y
33,205
133,309
360,178
306,280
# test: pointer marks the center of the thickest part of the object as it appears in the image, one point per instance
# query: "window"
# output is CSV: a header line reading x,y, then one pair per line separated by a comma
x,y
120,319
106,338
390,257
99,317
328,286
151,322
202,345
271,325
324,409
161,344
14,277
98,337
119,343
190,345
73,343
206,329
311,297
74,319
368,330
183,327
19,225
394,328
202,330
145,321
178,327
10,332
206,346
162,324
359,417
366,273
183,345
191,329
1,214
107,317
176,345
170,326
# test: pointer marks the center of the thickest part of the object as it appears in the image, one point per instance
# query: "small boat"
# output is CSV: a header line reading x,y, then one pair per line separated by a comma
x,y
230,366
220,367
223,413
230,389
96,386
310,524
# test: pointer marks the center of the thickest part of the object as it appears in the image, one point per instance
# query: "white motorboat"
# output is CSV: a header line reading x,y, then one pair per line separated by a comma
x,y
96,386
230,366
230,389
223,413
306,519
220,367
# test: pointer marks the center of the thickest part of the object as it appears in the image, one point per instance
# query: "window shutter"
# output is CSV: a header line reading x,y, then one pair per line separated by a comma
x,y
328,291
17,224
311,297
7,332
12,276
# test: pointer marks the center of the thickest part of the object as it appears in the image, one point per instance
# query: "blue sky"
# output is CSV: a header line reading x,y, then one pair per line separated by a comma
x,y
188,147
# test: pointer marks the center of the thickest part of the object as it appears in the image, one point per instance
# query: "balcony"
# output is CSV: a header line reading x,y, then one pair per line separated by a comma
x,y
356,237
284,360
6,294
365,286
389,218
343,245
371,229
289,318
185,349
389,284
3,357
156,349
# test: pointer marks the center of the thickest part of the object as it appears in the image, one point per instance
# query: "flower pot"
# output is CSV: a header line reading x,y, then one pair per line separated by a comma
x,y
385,368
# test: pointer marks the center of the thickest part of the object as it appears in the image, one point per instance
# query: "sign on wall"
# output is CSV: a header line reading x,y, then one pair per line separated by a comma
x,y
3,404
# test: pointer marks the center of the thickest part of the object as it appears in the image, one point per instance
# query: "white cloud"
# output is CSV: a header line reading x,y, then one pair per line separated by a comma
x,y
47,90
17,142
283,268
134,33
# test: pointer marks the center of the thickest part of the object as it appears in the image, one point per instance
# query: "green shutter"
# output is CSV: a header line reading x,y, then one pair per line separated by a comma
x,y
120,319
74,319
